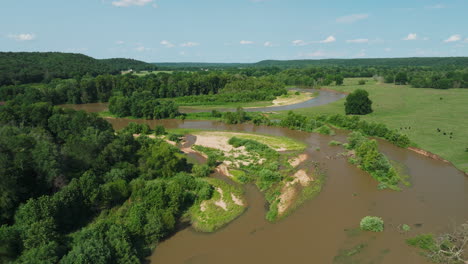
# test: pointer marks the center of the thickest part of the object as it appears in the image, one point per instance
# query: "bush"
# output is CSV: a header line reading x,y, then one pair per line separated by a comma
x,y
372,223
174,137
159,130
405,228
362,82
423,241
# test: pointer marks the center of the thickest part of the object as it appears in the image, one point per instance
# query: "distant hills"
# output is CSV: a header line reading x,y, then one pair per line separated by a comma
x,y
389,62
30,67
33,67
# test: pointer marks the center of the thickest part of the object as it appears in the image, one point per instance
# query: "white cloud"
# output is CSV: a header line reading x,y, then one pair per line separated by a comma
x,y
189,44
22,37
453,38
119,42
167,44
317,53
361,54
388,49
141,48
268,44
357,40
299,42
351,18
329,39
182,53
246,42
411,36
126,3
466,40
437,6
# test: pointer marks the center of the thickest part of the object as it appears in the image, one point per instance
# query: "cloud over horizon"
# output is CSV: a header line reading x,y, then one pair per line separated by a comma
x,y
329,39
411,36
246,42
362,40
126,3
453,38
22,37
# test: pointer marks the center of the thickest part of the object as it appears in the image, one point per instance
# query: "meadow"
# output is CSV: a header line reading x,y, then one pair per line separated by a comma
x,y
436,120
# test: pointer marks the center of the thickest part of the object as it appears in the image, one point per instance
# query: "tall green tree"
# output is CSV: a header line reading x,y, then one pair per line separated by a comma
x,y
358,103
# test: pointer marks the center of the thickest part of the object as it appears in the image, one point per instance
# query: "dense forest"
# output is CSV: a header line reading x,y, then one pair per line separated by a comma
x,y
372,62
35,67
60,78
75,191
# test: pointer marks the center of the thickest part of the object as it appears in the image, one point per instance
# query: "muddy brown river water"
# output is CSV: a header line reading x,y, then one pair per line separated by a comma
x,y
323,227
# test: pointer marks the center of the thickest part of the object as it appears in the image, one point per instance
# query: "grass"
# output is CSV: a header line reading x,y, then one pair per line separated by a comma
x,y
307,193
215,217
416,112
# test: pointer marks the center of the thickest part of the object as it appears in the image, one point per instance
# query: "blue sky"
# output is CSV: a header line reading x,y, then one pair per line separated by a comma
x,y
236,30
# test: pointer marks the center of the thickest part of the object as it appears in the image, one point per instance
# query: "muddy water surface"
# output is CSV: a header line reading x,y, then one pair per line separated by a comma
x,y
323,97
325,226
322,228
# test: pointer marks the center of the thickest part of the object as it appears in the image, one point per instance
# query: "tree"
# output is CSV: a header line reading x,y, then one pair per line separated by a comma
x,y
401,78
339,79
358,103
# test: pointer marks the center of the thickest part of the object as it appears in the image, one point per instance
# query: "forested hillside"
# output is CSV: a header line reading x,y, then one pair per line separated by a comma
x,y
34,67
387,62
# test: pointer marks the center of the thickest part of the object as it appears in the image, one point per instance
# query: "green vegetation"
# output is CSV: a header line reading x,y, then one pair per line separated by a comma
x,y
372,223
75,191
334,143
317,123
447,248
262,164
423,115
122,106
367,156
358,103
423,241
405,228
221,209
33,67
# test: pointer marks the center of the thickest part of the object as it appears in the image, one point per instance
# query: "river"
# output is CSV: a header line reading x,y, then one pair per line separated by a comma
x,y
325,226
323,97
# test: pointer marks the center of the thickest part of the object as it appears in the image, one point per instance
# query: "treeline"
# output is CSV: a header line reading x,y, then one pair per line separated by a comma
x,y
74,191
283,64
354,123
140,107
392,62
35,67
318,123
89,89
430,78
248,89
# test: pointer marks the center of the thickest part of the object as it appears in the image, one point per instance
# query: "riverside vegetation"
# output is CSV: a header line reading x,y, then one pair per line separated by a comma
x,y
76,191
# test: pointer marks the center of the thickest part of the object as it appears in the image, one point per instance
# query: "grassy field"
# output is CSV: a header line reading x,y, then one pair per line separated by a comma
x,y
212,217
143,73
416,112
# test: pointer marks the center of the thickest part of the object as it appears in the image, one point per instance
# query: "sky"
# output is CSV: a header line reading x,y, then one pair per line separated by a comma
x,y
236,30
